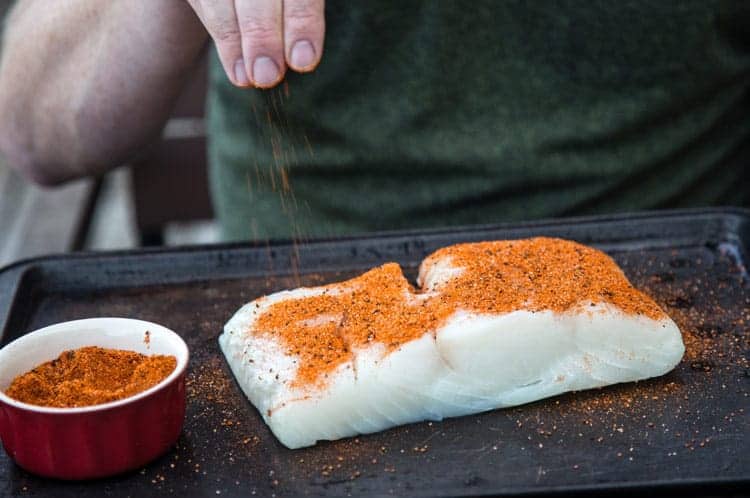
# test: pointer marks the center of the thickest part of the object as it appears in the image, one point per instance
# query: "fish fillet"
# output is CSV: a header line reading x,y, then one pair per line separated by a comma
x,y
490,325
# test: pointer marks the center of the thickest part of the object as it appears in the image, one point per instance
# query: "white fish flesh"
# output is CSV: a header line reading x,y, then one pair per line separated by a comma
x,y
492,325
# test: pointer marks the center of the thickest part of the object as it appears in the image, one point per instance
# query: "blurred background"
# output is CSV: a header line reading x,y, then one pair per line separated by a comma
x,y
159,198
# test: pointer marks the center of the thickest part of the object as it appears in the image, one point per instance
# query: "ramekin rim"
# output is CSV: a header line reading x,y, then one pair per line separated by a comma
x,y
180,368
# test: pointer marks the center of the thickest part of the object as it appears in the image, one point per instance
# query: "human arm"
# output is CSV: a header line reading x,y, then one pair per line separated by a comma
x,y
85,83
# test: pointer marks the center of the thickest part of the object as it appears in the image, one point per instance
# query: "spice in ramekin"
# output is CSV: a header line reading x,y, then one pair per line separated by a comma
x,y
90,376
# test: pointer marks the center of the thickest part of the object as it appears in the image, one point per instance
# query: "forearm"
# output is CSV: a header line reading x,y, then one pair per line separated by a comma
x,y
83,83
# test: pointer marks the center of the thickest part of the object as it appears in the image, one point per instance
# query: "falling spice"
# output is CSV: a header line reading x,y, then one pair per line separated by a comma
x,y
381,306
90,376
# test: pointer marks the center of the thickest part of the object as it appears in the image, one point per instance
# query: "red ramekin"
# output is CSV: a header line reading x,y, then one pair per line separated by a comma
x,y
100,440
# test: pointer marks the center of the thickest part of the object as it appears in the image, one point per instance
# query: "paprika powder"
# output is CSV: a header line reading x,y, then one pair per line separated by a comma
x,y
90,376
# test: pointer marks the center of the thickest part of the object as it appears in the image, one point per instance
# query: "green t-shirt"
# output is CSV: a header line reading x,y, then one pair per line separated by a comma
x,y
434,113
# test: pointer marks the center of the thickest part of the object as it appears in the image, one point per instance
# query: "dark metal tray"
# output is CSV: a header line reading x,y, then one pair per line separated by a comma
x,y
686,431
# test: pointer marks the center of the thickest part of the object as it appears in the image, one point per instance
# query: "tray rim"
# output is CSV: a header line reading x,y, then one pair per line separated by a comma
x,y
666,486
652,215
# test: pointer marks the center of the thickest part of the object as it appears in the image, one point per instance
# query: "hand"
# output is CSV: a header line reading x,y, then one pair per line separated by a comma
x,y
258,39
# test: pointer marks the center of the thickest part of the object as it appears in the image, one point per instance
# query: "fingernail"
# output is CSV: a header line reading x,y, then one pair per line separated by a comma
x,y
240,73
303,54
265,71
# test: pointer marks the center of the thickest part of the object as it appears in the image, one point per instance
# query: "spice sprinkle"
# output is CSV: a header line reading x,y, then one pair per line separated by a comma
x,y
494,277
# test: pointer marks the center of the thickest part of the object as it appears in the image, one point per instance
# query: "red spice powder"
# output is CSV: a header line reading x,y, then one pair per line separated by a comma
x,y
497,277
90,376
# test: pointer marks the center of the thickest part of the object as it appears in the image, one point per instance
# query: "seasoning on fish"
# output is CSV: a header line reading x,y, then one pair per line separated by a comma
x,y
493,324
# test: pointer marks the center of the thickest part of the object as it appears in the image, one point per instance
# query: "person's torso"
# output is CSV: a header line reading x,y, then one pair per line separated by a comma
x,y
430,113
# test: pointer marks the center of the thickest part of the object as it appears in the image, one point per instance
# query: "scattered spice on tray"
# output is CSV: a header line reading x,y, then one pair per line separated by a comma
x,y
90,376
690,398
496,277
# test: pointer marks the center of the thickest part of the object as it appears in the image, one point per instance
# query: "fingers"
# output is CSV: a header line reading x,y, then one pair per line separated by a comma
x,y
257,39
220,20
260,23
304,32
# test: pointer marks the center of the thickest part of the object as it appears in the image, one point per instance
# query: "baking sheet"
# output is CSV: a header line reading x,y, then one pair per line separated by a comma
x,y
684,432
